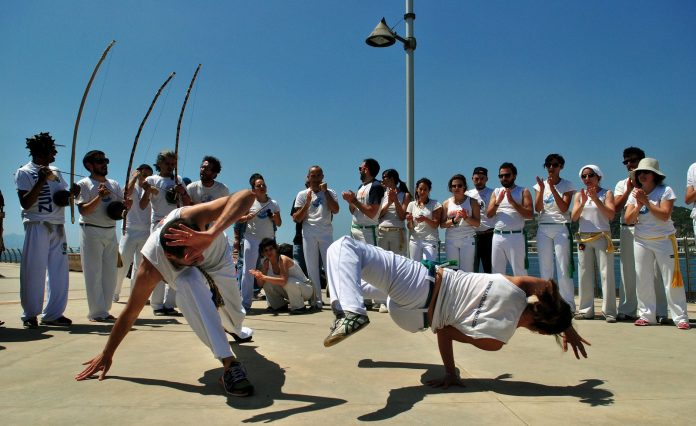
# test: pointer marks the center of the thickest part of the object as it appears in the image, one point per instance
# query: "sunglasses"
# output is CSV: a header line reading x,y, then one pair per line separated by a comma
x,y
630,160
552,165
505,175
101,161
587,176
263,185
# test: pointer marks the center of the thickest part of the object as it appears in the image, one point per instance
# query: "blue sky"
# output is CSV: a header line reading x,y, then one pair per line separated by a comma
x,y
285,85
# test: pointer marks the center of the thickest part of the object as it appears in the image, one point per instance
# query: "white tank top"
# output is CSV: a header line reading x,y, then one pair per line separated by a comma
x,y
461,229
390,218
294,273
506,217
591,218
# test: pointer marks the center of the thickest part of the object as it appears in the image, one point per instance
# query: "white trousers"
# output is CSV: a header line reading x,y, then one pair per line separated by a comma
x,y
315,244
392,239
99,255
463,250
194,298
294,293
44,266
163,296
592,258
365,234
421,249
251,257
628,301
554,241
350,261
129,247
650,254
508,248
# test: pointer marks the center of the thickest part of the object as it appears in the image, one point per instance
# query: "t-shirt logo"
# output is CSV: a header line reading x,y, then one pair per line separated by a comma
x,y
643,210
549,199
45,199
317,201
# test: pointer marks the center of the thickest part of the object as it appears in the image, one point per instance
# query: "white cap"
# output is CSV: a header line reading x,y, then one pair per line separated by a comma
x,y
592,167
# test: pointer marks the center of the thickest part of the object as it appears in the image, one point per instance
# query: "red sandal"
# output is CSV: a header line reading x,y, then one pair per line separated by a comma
x,y
641,322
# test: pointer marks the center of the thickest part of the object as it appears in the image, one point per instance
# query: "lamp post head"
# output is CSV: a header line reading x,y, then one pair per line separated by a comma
x,y
381,36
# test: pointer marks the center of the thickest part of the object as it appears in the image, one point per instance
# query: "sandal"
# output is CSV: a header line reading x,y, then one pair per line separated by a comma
x,y
641,322
683,325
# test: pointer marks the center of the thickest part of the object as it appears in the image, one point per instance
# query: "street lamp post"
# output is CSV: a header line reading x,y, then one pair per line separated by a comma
x,y
383,36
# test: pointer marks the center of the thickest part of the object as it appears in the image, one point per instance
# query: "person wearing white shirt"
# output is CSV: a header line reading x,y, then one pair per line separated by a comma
x,y
100,204
484,232
509,206
423,219
207,189
315,207
460,217
649,208
690,197
552,203
391,234
364,205
593,209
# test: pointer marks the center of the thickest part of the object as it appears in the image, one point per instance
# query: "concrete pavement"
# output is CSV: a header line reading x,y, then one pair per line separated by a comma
x,y
162,374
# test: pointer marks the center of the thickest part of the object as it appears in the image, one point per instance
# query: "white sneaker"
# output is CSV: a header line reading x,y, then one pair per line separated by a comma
x,y
383,309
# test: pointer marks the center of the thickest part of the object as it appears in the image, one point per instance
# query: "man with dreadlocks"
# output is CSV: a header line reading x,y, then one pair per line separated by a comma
x,y
43,196
206,291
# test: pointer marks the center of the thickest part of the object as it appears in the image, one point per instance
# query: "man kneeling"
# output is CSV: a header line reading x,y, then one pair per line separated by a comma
x,y
206,290
483,310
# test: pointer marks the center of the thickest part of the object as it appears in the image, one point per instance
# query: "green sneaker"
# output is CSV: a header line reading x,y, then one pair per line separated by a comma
x,y
344,327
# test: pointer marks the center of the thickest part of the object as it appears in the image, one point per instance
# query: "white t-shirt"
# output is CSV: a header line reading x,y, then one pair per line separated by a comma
x,y
649,226
691,181
89,189
484,197
461,229
370,193
506,217
44,209
619,190
160,206
261,225
551,213
138,219
479,305
318,216
199,193
423,231
591,218
215,257
391,219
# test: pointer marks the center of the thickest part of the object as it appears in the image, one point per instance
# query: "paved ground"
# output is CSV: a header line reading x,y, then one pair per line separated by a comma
x,y
163,374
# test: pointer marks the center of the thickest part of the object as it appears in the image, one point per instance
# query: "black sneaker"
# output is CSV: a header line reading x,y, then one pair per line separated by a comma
x,y
159,312
235,381
58,322
172,312
30,323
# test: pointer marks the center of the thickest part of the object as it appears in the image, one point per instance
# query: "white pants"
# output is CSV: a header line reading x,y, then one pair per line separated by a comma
x,y
350,262
463,250
421,249
251,256
163,296
509,248
129,247
194,298
554,240
590,259
367,234
315,244
628,302
392,239
99,255
44,266
649,254
294,293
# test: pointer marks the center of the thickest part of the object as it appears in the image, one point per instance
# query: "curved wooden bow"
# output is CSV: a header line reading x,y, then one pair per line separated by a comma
x,y
127,189
178,129
77,125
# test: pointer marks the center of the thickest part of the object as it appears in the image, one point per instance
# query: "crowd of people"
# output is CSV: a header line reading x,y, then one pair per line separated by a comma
x,y
179,258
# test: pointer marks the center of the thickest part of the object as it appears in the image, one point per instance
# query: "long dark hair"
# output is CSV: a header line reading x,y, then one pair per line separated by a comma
x,y
400,185
550,314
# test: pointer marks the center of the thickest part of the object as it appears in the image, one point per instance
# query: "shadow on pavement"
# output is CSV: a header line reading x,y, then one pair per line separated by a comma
x,y
104,328
403,399
14,335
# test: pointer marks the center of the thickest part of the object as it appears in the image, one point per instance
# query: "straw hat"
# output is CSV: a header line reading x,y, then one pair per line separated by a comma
x,y
647,164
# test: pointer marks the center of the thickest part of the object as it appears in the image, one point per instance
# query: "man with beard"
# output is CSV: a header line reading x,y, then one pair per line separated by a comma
x,y
364,206
509,206
484,233
207,189
162,192
100,204
43,195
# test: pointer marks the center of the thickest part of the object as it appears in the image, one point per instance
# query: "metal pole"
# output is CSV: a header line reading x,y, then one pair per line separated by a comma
x,y
409,17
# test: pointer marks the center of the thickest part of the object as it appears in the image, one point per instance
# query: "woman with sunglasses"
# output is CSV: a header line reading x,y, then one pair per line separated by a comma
x,y
552,203
593,209
282,279
423,219
649,207
460,218
391,234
